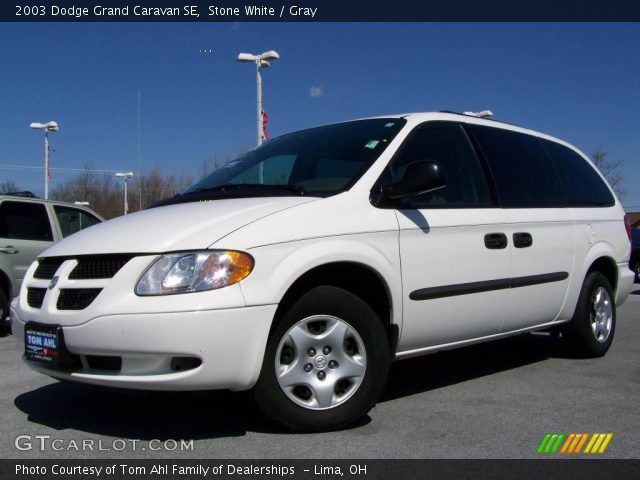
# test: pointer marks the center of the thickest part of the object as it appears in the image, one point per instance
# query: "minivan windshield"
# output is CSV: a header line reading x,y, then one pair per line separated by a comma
x,y
319,162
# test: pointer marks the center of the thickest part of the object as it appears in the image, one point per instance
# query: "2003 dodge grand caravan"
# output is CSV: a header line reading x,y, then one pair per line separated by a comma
x,y
305,266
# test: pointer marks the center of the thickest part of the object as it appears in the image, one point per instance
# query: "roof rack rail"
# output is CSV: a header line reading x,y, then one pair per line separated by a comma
x,y
20,194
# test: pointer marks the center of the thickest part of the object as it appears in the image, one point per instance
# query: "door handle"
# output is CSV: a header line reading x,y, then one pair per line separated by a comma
x,y
10,249
522,240
495,241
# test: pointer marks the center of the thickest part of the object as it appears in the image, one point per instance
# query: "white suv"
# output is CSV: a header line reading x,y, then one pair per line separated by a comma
x,y
303,268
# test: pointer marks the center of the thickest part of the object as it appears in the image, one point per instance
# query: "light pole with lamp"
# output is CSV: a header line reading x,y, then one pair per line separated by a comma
x,y
263,60
47,127
126,176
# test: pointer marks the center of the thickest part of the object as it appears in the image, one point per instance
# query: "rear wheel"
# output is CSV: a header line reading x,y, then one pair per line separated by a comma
x,y
591,329
637,271
325,364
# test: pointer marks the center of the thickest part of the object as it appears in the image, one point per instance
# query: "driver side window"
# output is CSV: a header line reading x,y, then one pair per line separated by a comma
x,y
447,144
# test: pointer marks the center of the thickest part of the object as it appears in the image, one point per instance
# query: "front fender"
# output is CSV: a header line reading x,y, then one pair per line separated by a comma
x,y
278,266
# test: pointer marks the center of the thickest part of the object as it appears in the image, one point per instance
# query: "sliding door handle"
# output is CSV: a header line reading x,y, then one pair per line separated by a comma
x,y
522,240
495,241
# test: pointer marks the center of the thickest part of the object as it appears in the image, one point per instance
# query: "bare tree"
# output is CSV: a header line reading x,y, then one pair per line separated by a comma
x,y
157,186
101,190
213,164
611,169
9,186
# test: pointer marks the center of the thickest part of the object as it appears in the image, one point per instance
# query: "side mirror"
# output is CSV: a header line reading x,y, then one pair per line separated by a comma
x,y
419,177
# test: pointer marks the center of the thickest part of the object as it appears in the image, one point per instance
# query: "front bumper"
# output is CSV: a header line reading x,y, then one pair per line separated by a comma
x,y
229,343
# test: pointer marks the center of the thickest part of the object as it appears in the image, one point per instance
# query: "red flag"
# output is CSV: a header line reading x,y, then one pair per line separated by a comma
x,y
265,119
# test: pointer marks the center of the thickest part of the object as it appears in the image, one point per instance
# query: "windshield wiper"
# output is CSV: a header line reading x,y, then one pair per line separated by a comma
x,y
234,187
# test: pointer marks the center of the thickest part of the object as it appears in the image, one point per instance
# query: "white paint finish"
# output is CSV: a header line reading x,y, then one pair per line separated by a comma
x,y
552,251
279,265
184,226
230,343
446,247
626,279
348,213
600,233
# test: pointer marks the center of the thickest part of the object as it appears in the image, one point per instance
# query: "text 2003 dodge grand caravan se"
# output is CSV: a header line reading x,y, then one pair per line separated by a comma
x,y
303,268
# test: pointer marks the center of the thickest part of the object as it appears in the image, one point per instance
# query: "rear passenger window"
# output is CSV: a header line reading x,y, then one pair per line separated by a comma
x,y
25,221
447,144
524,175
72,220
584,187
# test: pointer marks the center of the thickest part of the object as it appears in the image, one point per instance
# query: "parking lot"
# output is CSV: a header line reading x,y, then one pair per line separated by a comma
x,y
495,400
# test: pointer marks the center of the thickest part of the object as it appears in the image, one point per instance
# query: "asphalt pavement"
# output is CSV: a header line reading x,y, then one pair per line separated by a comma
x,y
495,400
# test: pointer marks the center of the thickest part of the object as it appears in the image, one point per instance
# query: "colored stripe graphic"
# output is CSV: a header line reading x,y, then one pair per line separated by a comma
x,y
573,443
577,440
550,443
543,443
598,442
581,442
570,438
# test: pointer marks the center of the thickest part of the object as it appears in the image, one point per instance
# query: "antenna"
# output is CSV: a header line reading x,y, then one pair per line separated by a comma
x,y
139,158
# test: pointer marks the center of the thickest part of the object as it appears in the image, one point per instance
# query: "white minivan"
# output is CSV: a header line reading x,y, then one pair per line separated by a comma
x,y
303,268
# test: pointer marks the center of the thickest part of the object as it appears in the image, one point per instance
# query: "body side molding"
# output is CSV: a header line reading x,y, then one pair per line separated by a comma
x,y
486,286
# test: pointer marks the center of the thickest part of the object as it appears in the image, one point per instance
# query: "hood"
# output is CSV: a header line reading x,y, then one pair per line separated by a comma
x,y
186,226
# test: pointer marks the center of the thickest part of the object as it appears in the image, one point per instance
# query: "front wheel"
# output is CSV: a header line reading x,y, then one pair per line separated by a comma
x,y
591,329
325,364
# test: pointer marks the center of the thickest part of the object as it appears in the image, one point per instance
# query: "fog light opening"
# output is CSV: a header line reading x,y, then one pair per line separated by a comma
x,y
180,364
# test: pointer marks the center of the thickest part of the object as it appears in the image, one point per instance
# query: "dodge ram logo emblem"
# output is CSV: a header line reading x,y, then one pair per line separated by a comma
x,y
53,282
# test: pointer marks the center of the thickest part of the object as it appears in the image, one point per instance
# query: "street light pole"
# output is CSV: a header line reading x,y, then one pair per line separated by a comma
x,y
262,61
126,176
259,101
46,164
47,127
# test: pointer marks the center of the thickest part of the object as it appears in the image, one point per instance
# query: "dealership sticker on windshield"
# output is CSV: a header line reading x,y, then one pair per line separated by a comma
x,y
372,144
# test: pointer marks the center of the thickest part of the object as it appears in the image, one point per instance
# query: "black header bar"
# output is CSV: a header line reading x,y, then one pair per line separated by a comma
x,y
327,469
319,11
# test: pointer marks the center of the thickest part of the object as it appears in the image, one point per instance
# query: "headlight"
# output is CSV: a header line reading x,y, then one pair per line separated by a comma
x,y
194,272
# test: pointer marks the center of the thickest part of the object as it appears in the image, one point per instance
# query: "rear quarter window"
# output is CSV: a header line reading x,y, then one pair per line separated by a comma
x,y
584,187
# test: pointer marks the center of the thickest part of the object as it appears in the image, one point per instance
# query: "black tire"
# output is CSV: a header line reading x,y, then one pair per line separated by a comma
x,y
4,313
5,326
580,333
637,272
351,312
